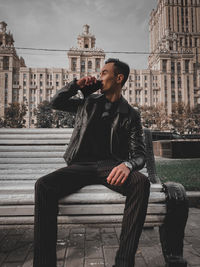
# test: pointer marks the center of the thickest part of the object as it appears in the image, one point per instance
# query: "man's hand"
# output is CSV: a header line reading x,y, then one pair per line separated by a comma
x,y
88,80
118,175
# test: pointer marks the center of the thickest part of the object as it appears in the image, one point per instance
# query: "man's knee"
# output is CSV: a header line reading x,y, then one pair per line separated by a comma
x,y
140,180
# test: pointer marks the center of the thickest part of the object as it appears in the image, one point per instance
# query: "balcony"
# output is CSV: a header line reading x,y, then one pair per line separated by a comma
x,y
33,86
16,86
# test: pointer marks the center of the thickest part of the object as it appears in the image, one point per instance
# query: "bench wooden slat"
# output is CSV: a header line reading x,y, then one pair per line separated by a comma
x,y
36,136
150,221
76,198
33,167
27,210
33,142
31,154
31,148
12,131
23,186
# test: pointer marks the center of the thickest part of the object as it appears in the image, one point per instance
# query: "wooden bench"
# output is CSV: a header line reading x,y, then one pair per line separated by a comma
x,y
27,154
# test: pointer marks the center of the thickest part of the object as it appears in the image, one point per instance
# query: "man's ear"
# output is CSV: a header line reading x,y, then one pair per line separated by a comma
x,y
120,78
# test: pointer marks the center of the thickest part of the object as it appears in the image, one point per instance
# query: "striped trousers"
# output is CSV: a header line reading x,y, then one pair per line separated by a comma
x,y
65,181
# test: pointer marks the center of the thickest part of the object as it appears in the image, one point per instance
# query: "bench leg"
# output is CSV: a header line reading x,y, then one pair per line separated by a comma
x,y
172,231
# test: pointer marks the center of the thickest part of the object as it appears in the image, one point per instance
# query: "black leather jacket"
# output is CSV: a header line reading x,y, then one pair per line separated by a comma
x,y
126,141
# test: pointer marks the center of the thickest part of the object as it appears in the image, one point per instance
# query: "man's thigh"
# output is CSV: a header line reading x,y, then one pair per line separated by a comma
x,y
134,180
69,179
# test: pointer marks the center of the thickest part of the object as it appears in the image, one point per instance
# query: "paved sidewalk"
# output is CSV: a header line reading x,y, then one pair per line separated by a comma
x,y
95,246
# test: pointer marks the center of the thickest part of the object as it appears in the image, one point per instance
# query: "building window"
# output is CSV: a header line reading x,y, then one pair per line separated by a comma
x,y
179,82
82,65
172,67
187,66
57,76
24,75
97,67
41,75
24,83
89,66
145,77
164,65
178,67
172,82
6,63
41,83
74,60
57,83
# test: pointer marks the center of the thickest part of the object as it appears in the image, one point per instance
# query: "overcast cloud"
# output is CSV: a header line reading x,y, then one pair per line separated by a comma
x,y
119,25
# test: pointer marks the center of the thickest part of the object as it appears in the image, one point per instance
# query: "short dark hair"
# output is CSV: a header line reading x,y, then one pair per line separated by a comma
x,y
120,67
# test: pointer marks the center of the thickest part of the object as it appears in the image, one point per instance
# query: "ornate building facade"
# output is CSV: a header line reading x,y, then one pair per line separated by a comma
x,y
173,73
32,86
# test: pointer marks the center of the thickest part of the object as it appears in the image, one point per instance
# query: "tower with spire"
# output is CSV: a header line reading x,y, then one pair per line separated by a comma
x,y
86,58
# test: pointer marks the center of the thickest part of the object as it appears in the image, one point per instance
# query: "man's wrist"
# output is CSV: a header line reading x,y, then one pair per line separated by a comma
x,y
128,165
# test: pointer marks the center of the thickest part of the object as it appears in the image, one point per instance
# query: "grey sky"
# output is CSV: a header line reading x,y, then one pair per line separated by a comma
x,y
119,25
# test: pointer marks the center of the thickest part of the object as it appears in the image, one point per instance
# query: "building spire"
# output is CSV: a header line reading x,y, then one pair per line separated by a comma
x,y
86,28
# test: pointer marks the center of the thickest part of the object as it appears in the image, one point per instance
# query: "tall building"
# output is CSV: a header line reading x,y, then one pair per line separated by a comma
x,y
173,73
10,65
175,50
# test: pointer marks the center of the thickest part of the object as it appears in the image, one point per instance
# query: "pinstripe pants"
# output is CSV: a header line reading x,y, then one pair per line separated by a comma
x,y
65,181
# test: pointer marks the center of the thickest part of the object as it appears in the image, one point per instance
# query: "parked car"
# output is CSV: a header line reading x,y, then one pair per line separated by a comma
x,y
191,136
158,135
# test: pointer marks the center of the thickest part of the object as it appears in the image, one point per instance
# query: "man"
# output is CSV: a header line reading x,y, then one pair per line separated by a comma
x,y
106,148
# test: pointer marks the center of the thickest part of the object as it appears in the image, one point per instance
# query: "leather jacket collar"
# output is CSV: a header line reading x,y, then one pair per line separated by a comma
x,y
122,107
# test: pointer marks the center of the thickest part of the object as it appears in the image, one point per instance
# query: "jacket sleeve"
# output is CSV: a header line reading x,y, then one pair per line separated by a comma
x,y
65,98
137,154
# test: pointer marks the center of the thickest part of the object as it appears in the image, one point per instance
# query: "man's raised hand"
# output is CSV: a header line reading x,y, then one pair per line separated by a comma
x,y
88,80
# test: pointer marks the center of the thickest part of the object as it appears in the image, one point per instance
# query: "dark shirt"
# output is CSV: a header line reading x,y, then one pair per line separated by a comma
x,y
96,146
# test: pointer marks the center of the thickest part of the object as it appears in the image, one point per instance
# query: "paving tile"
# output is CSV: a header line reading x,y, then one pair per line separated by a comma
x,y
3,256
77,230
140,262
74,257
94,263
9,243
110,239
192,256
109,254
153,256
29,260
107,230
93,250
118,232
60,251
93,236
19,254
76,240
63,232
195,241
12,264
